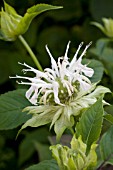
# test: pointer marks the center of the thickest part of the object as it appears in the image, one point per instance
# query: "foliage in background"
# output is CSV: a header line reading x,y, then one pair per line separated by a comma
x,y
54,28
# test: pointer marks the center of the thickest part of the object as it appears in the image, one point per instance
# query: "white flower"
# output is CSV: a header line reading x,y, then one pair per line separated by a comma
x,y
61,92
60,82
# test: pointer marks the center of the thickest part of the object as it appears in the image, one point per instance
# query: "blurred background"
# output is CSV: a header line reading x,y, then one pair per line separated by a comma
x,y
54,28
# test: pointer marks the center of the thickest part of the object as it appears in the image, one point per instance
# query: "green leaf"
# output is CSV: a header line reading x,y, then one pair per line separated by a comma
x,y
31,14
11,106
28,146
105,54
100,45
109,118
106,147
98,68
45,165
90,123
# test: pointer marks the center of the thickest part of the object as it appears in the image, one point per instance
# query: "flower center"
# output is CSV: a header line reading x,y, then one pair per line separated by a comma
x,y
63,94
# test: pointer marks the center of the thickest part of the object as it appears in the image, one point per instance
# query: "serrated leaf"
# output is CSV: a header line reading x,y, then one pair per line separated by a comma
x,y
89,126
106,147
45,165
31,14
11,106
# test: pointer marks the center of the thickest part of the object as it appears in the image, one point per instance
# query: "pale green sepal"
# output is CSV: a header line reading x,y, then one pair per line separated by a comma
x,y
100,90
92,157
38,120
61,124
12,12
57,153
9,21
56,116
99,26
39,109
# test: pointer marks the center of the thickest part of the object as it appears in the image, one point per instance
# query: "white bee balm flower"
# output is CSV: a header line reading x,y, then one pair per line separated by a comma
x,y
59,82
61,92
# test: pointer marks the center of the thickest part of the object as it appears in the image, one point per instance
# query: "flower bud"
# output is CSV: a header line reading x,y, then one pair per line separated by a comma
x,y
107,29
74,158
12,25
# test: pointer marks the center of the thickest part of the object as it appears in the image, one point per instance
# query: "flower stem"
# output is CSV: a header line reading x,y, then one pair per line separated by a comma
x,y
23,41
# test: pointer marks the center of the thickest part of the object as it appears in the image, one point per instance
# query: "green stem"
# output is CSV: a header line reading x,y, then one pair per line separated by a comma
x,y
71,130
30,52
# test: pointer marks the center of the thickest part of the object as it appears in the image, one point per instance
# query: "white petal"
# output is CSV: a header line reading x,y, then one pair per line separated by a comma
x,y
31,95
84,52
31,69
88,71
55,91
84,85
65,56
46,94
75,56
51,74
29,92
68,86
53,62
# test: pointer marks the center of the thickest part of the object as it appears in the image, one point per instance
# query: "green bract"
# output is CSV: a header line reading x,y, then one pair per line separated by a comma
x,y
75,158
62,117
12,25
107,29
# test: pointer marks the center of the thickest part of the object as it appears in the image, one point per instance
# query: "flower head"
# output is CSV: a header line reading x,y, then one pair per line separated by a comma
x,y
59,83
75,157
60,92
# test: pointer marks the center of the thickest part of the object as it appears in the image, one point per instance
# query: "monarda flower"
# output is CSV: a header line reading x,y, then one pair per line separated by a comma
x,y
61,92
